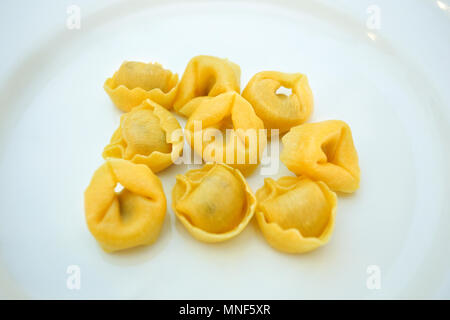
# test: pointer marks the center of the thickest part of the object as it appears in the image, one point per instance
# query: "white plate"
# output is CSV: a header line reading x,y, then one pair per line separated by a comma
x,y
387,83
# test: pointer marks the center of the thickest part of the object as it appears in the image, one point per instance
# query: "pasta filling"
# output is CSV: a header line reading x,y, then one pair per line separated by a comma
x,y
144,135
217,203
304,208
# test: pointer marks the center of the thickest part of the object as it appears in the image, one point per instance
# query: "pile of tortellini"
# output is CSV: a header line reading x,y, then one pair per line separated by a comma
x,y
296,214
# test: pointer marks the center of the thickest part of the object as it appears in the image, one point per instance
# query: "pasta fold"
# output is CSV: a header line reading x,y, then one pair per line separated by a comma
x,y
131,217
323,151
135,82
226,129
296,214
278,110
205,76
148,134
214,203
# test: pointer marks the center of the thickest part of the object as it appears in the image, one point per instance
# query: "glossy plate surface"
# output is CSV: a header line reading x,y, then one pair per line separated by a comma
x,y
387,78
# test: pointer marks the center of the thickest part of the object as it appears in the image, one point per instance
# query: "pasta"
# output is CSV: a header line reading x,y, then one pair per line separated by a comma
x,y
205,76
148,134
131,217
296,214
323,151
206,132
214,203
277,110
136,81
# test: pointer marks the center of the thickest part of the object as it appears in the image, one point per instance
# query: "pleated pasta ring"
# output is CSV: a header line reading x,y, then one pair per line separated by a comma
x,y
226,129
296,214
148,134
136,81
278,110
131,217
205,76
214,203
323,151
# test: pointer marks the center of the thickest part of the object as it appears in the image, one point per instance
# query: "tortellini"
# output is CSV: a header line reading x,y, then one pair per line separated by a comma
x,y
214,203
323,151
296,214
206,132
131,217
205,76
278,110
136,81
148,134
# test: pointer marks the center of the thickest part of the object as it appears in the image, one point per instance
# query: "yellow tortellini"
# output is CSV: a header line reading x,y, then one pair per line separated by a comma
x,y
136,81
205,76
131,217
206,132
148,134
214,203
278,110
296,214
323,151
